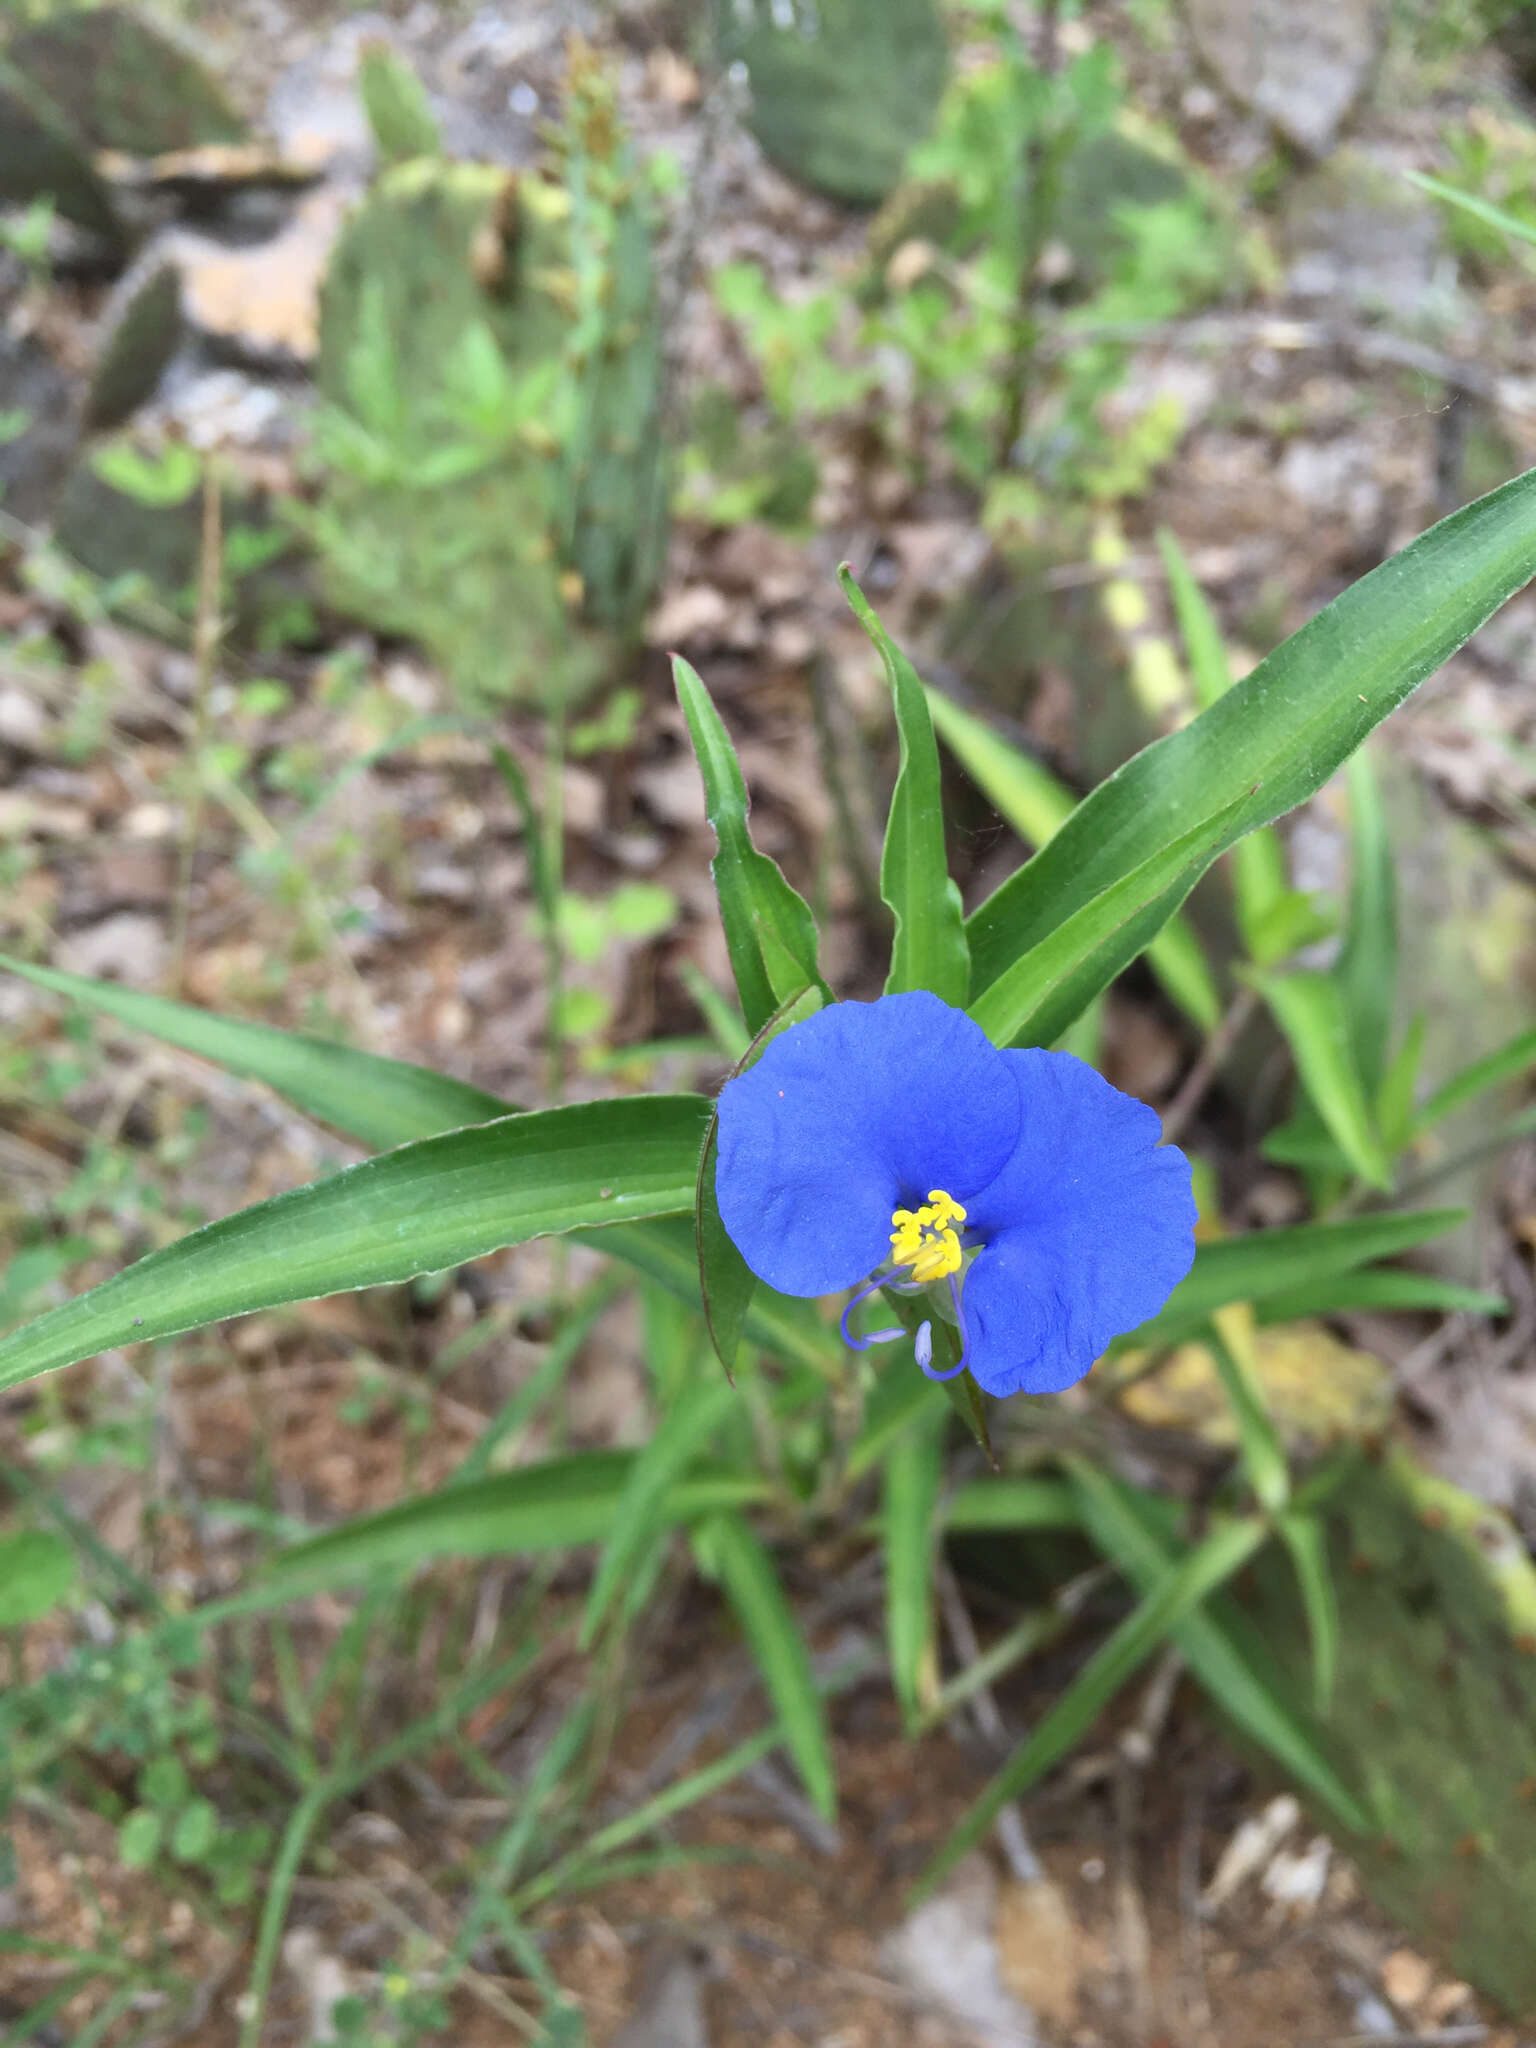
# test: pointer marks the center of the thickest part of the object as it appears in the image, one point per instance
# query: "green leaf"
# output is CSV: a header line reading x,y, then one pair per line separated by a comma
x,y
551,1506
929,949
1120,1525
752,1586
667,1252
1306,1539
1310,1010
640,1510
378,1102
1379,1287
1264,1458
1272,739
195,1832
37,1574
1508,1063
138,1839
1178,1589
1036,805
1205,651
1268,1262
900,1396
991,1504
1367,964
1470,202
913,1471
769,931
1395,1117
418,1209
1033,1001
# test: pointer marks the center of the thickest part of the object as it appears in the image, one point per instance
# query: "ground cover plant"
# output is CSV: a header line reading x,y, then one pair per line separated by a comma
x,y
838,1152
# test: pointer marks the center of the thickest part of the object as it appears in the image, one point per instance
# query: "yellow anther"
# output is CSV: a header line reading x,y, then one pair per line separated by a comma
x,y
926,1240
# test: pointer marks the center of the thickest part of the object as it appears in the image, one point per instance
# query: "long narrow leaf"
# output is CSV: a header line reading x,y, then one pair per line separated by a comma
x,y
1037,805
929,950
1122,1530
1367,966
551,1506
913,1471
1310,1010
641,1508
1177,1591
1275,737
1033,1001
378,1102
1508,1063
769,931
1379,1287
752,1587
1307,1541
1267,1262
418,1209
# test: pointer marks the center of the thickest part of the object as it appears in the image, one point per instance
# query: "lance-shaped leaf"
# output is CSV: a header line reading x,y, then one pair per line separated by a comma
x,y
1310,1010
1268,1262
1033,1001
1037,805
382,1103
770,933
1272,739
378,1102
929,949
415,1210
1367,965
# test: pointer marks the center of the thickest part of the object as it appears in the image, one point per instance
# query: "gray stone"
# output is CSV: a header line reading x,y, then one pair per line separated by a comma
x,y
1358,237
671,2010
1301,64
130,946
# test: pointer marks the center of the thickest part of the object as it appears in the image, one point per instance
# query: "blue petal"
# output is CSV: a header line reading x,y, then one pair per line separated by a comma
x,y
855,1112
1087,1230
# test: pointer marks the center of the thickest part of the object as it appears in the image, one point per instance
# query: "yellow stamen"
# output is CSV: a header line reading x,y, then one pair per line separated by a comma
x,y
928,1239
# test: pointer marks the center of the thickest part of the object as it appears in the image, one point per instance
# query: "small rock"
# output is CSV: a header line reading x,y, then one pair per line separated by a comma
x,y
671,2012
130,947
696,614
23,724
947,1951
1252,1845
1302,64
25,816
1407,1979
263,303
1040,1949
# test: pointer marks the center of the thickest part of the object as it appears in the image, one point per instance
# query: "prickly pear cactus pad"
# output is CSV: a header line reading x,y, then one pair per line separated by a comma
x,y
1434,1711
443,318
842,90
123,84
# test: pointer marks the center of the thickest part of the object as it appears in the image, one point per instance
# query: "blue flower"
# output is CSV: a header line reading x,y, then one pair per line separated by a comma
x,y
890,1144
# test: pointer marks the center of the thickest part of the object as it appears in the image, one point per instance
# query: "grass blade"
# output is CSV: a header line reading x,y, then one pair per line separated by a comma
x,y
1507,1063
1310,1010
640,1511
1306,1539
1268,1262
1178,1589
1367,966
1379,1287
1119,1524
751,1584
913,1471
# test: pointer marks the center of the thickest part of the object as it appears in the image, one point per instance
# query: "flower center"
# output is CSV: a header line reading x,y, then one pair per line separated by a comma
x,y
927,1239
